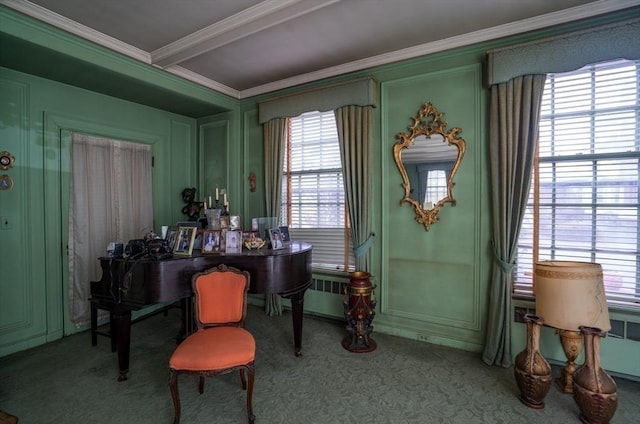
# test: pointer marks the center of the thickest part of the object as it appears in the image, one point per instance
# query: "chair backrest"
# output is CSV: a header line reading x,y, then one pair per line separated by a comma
x,y
220,296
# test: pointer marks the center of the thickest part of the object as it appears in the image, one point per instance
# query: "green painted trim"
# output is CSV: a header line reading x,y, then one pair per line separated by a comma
x,y
26,344
388,167
408,333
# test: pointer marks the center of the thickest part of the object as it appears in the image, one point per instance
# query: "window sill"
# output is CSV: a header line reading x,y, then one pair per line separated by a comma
x,y
330,272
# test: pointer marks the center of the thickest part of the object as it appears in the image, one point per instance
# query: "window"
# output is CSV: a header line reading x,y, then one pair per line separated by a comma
x,y
584,202
313,196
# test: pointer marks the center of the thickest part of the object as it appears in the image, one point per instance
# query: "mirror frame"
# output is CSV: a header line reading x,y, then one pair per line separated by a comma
x,y
428,122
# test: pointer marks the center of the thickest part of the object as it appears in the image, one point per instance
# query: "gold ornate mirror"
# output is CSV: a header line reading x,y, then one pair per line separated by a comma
x,y
428,158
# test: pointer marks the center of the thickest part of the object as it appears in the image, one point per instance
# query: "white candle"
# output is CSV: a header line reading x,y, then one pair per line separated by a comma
x,y
225,199
210,202
216,193
205,205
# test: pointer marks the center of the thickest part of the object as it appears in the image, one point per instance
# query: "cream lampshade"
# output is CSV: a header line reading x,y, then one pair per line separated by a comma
x,y
569,295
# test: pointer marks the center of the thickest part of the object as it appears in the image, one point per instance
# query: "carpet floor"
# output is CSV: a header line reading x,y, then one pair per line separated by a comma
x,y
403,381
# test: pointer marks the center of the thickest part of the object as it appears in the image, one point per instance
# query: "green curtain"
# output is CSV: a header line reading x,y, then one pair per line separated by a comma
x,y
354,132
274,137
513,135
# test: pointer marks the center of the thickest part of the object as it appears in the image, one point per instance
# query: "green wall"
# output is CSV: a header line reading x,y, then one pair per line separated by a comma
x,y
433,285
36,118
430,285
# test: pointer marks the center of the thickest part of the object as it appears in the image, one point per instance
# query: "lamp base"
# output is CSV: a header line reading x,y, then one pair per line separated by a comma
x,y
565,382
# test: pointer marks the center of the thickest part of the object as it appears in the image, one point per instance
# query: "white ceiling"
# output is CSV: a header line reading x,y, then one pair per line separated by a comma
x,y
248,47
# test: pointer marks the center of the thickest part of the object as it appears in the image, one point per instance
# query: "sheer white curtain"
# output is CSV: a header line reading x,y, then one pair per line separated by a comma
x,y
110,199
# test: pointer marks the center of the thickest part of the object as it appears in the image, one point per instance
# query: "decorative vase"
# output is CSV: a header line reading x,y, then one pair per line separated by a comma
x,y
532,371
359,312
594,390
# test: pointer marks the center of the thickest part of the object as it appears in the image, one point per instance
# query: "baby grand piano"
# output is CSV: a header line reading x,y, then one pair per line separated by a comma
x,y
127,285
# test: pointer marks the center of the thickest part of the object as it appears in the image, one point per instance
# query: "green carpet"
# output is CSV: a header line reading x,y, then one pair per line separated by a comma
x,y
402,381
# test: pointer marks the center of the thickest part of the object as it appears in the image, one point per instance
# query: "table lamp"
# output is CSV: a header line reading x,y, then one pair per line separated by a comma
x,y
570,294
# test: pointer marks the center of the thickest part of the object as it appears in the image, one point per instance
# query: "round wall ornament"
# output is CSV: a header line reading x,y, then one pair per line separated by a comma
x,y
6,183
6,160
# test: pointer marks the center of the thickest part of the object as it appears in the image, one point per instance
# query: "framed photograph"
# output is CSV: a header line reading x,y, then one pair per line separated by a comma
x,y
172,236
224,221
235,222
211,242
185,241
223,239
197,244
284,232
275,237
234,241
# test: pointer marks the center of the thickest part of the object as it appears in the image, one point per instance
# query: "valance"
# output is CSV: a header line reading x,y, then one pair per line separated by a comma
x,y
360,92
565,53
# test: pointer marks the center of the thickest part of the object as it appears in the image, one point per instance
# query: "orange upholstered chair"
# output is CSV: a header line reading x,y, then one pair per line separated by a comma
x,y
220,344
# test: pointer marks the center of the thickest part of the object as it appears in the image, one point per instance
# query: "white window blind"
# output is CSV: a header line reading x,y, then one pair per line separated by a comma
x,y
313,197
587,185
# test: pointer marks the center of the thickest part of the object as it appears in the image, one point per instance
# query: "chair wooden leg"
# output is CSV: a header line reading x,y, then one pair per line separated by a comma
x,y
243,379
201,385
173,385
252,374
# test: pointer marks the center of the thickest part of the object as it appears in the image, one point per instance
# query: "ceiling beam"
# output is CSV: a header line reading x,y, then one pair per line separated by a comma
x,y
257,18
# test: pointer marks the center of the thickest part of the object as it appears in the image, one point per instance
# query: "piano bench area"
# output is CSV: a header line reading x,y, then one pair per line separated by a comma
x,y
97,304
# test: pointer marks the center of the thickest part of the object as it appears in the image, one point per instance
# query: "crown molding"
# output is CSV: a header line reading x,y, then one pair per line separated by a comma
x,y
262,16
38,12
199,79
513,28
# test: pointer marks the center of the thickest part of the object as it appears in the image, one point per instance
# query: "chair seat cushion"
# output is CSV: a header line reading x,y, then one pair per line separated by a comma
x,y
215,348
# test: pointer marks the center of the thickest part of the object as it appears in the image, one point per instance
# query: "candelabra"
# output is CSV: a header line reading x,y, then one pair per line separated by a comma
x,y
213,212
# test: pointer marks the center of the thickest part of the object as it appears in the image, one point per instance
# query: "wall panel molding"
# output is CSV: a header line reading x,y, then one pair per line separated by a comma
x,y
432,281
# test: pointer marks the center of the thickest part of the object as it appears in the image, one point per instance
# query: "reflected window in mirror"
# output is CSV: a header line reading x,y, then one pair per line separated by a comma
x,y
432,183
428,157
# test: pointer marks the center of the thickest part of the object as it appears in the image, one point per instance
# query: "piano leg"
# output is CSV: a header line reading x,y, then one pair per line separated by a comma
x,y
121,324
297,307
94,324
188,324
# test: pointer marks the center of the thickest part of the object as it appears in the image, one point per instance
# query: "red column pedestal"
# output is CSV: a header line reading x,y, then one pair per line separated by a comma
x,y
359,312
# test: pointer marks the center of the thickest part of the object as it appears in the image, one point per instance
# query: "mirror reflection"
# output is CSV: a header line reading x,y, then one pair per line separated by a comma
x,y
428,158
428,163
